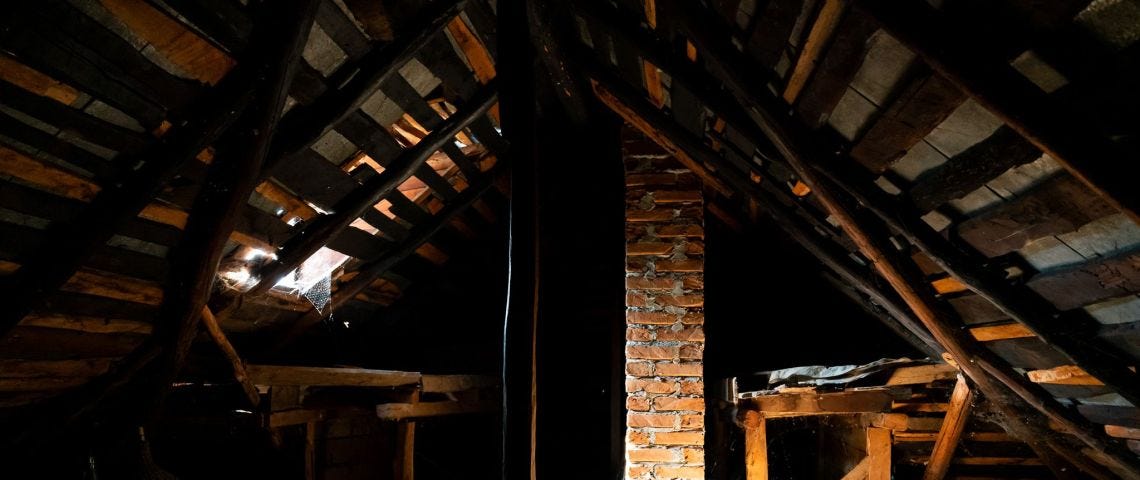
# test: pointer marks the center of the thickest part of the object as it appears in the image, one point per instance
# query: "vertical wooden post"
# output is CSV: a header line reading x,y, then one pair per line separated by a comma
x,y
879,451
755,446
311,430
403,466
951,431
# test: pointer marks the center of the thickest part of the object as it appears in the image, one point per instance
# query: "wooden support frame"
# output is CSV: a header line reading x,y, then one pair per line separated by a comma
x,y
878,454
238,366
755,446
325,228
981,72
952,427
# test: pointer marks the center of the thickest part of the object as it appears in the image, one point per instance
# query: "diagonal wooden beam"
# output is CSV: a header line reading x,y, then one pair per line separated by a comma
x,y
228,350
370,271
306,124
977,362
355,204
951,431
813,49
977,67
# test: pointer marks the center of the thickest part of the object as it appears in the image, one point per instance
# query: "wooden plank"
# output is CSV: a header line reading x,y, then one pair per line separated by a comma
x,y
922,374
951,431
1090,282
878,454
236,363
33,81
84,368
818,38
173,40
837,68
477,55
755,446
772,28
49,144
1122,432
404,411
974,62
973,168
65,118
1063,375
860,471
114,286
46,176
329,377
812,403
1001,332
924,103
87,324
456,383
1058,205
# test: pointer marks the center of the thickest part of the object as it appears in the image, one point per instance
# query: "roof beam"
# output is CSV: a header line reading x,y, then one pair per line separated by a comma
x,y
228,350
978,69
980,364
323,229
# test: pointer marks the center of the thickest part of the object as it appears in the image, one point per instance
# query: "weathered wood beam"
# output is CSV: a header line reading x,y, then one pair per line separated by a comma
x,y
323,229
404,411
228,350
519,114
330,377
370,271
231,179
971,169
993,376
630,106
859,472
69,244
952,427
547,33
958,53
457,383
818,39
755,446
922,374
816,403
312,429
878,454
306,124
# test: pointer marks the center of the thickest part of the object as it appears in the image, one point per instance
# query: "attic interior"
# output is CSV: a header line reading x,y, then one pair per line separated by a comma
x,y
627,239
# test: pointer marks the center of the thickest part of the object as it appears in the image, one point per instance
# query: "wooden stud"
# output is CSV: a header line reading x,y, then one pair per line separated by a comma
x,y
860,471
236,363
819,37
755,446
312,430
952,427
878,454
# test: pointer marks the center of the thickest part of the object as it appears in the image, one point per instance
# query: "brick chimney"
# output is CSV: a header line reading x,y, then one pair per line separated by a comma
x,y
664,284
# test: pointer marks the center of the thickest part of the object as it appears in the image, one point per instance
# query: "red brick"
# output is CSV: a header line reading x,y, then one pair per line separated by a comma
x,y
693,388
695,231
679,369
684,473
637,438
690,265
661,455
638,335
641,420
636,264
688,334
695,247
681,300
676,196
650,352
693,456
638,472
639,369
693,282
635,384
650,318
637,404
633,299
643,179
693,318
672,404
691,352
692,422
660,387
642,283
679,438
648,248
655,215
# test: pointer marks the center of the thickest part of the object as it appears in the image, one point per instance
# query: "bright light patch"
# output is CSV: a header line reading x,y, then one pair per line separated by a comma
x,y
317,267
257,254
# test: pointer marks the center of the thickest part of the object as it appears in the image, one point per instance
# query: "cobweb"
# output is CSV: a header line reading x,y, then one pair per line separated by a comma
x,y
320,294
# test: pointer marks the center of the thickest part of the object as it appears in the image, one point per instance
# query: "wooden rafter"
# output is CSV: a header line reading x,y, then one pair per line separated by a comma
x,y
228,350
979,70
325,228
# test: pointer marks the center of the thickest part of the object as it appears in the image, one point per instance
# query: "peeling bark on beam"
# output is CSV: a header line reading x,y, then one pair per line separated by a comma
x,y
325,228
979,70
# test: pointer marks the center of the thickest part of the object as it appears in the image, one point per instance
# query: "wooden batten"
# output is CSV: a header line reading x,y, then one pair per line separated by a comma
x,y
1001,332
813,403
821,33
330,377
404,411
179,45
1063,375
